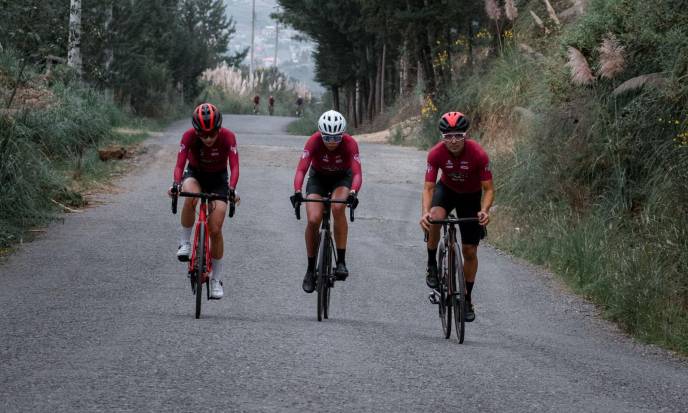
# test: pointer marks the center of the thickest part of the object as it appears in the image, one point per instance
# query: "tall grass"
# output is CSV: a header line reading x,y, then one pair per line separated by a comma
x,y
594,184
45,146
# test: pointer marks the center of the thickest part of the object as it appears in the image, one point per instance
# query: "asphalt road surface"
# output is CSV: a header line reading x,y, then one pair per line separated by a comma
x,y
97,314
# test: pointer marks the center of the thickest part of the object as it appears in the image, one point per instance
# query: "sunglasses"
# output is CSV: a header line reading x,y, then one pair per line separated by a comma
x,y
332,138
209,136
454,136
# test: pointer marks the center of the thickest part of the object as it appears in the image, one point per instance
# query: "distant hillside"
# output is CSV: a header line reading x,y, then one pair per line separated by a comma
x,y
294,58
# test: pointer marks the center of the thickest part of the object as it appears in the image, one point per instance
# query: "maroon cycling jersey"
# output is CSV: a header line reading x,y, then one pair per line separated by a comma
x,y
208,158
463,173
316,155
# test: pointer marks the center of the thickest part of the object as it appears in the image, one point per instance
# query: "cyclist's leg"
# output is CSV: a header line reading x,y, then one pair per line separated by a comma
x,y
314,213
190,184
471,234
215,221
341,227
468,206
188,217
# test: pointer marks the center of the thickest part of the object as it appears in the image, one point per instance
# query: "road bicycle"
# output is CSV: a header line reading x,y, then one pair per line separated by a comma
x,y
200,263
324,276
450,294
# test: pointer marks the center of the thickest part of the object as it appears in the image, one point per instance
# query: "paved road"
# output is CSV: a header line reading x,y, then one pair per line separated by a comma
x,y
97,315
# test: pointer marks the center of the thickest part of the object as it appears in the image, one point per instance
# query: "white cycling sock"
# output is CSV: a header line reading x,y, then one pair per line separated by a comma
x,y
185,235
217,269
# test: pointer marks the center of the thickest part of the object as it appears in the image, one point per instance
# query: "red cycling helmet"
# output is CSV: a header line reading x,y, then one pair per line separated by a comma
x,y
206,118
453,122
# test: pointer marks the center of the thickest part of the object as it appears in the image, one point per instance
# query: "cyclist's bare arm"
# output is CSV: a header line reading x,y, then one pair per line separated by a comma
x,y
486,202
428,191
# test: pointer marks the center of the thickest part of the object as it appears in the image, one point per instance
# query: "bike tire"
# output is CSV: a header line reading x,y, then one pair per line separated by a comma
x,y
459,303
200,265
444,310
328,282
321,274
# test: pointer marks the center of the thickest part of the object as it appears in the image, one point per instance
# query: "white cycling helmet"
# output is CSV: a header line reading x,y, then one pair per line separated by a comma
x,y
331,123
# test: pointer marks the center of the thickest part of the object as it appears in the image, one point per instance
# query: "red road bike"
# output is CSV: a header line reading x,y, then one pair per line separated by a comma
x,y
200,264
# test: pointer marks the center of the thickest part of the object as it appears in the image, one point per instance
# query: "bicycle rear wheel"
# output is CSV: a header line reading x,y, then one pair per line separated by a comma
x,y
200,266
459,302
321,274
444,310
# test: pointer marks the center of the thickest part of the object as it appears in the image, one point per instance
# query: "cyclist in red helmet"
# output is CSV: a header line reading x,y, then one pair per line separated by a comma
x,y
466,185
207,147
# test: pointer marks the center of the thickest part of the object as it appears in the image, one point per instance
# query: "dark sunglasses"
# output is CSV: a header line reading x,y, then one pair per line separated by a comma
x,y
332,138
211,135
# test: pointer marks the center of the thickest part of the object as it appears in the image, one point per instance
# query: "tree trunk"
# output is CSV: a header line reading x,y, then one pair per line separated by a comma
x,y
74,50
371,97
335,97
109,56
382,78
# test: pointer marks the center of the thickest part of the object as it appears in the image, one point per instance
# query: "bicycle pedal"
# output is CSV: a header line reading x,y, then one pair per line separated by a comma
x,y
433,298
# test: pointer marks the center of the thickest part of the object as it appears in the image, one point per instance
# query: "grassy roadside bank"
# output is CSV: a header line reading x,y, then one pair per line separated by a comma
x,y
49,141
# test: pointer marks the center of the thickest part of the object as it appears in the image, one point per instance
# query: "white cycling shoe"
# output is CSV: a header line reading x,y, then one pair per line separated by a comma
x,y
216,290
184,251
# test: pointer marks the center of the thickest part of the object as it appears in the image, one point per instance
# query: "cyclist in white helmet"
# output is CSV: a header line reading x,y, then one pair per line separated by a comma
x,y
335,167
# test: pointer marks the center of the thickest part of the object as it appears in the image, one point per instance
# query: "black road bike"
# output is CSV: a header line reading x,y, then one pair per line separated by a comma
x,y
327,255
450,294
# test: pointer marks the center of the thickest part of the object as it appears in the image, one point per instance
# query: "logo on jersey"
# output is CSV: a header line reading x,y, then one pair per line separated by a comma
x,y
357,158
182,147
449,164
487,168
428,169
305,154
233,149
325,158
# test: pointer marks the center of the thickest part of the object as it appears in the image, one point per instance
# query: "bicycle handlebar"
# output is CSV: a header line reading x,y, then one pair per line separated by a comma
x,y
450,220
297,207
206,196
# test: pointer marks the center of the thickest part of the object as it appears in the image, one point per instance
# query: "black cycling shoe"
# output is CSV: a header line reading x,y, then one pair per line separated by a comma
x,y
431,277
469,313
341,272
309,282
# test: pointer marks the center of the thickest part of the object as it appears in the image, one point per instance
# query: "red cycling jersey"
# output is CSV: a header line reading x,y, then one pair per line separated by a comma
x,y
462,173
209,158
322,160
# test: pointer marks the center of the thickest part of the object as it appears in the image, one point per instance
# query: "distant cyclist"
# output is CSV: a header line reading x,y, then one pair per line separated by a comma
x,y
335,167
271,105
299,106
204,151
256,104
466,185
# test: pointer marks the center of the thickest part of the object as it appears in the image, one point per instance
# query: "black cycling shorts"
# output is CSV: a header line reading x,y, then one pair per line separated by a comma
x,y
211,182
467,206
324,184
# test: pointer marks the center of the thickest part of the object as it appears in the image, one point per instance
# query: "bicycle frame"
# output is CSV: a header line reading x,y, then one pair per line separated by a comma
x,y
451,278
202,223
326,253
200,263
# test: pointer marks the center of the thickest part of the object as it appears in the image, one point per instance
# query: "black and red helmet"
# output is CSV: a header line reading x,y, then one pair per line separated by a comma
x,y
453,122
206,118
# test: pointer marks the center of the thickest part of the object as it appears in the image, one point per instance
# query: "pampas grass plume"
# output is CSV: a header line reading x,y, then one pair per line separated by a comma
x,y
580,69
492,9
612,60
552,13
511,10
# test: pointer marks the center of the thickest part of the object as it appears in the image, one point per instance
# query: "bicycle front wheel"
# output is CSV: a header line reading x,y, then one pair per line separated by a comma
x,y
459,303
321,275
443,290
200,266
